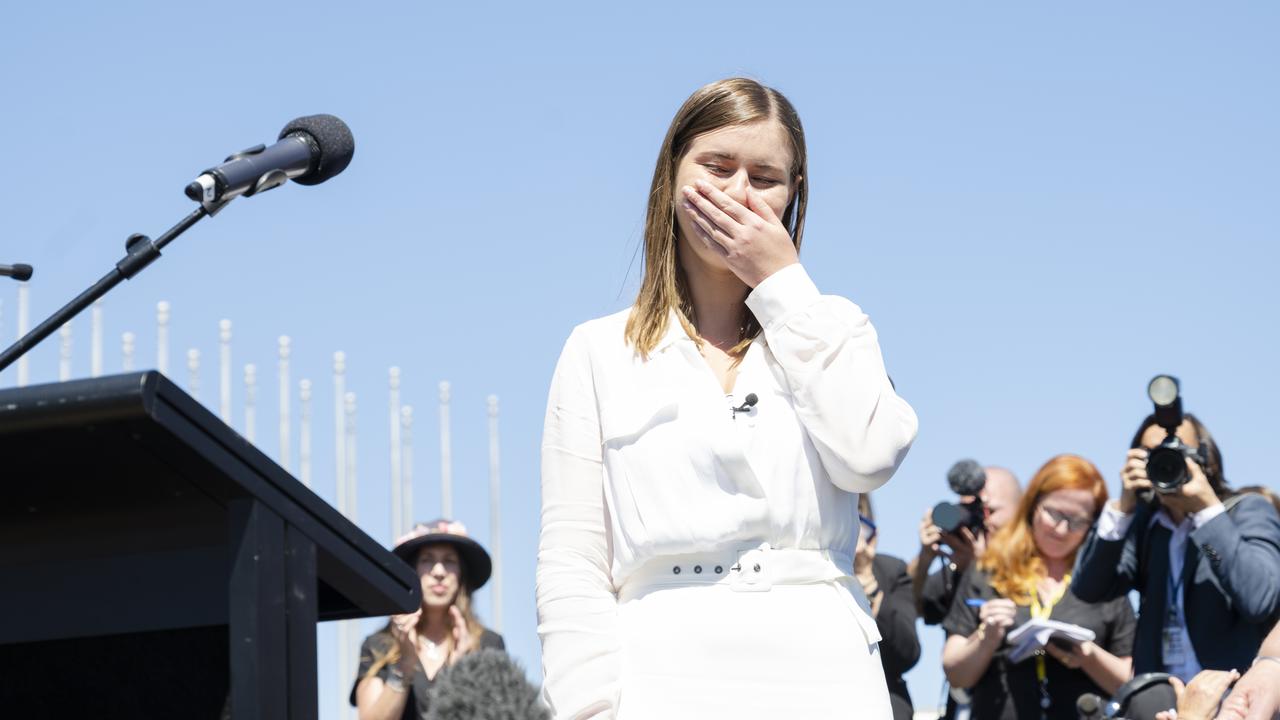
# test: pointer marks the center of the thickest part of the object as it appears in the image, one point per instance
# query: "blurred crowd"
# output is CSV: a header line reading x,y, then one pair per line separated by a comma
x,y
1060,601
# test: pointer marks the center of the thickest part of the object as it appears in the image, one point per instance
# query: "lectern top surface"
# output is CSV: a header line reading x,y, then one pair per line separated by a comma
x,y
131,465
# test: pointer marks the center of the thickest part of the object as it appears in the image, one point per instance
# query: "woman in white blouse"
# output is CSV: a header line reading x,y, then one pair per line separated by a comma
x,y
704,450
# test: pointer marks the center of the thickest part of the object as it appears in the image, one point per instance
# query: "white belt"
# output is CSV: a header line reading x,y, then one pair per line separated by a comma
x,y
756,569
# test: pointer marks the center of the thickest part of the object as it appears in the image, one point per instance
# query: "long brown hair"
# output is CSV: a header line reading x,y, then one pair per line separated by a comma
x,y
1011,555
725,103
386,650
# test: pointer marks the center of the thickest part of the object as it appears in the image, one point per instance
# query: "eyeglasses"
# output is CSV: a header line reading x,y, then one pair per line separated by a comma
x,y
870,533
1074,524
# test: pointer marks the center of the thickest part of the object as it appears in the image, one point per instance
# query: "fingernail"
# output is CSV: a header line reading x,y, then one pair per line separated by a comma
x,y
687,190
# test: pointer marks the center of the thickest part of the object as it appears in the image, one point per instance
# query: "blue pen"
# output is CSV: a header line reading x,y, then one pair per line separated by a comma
x,y
975,602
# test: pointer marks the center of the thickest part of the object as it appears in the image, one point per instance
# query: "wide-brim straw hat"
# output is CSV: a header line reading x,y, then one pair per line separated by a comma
x,y
477,567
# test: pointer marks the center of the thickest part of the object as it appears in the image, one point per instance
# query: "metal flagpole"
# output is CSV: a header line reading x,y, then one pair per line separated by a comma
x,y
340,431
351,456
64,356
162,337
304,432
351,648
397,502
24,322
446,456
224,370
126,352
406,465
495,515
250,402
340,501
95,339
193,373
285,454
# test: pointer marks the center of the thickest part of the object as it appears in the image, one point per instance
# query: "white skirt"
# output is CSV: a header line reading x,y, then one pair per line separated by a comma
x,y
696,647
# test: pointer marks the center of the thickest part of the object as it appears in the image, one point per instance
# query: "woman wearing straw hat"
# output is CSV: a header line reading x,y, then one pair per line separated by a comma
x,y
400,663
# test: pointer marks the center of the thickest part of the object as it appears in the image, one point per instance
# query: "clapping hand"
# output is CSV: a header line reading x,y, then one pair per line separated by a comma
x,y
463,643
404,628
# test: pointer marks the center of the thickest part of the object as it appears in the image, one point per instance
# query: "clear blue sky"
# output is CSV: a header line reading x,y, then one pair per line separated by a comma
x,y
1040,207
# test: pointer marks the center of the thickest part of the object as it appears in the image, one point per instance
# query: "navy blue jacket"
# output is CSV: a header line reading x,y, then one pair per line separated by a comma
x,y
1231,581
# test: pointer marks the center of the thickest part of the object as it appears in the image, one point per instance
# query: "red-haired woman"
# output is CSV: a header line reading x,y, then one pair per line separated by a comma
x,y
1026,573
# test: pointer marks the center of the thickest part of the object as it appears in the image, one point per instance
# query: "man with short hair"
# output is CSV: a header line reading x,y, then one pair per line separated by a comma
x,y
933,592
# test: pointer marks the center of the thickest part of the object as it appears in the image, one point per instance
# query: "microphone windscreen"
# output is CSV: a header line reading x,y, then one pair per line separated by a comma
x,y
485,685
334,139
966,477
1089,707
22,271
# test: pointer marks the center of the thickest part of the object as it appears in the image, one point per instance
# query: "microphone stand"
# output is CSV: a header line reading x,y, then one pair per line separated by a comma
x,y
141,252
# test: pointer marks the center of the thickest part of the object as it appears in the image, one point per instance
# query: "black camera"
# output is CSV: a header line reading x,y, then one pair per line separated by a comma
x,y
965,478
1167,462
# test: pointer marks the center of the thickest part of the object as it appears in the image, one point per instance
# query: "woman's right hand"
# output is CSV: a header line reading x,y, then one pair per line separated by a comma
x,y
997,616
404,628
1133,480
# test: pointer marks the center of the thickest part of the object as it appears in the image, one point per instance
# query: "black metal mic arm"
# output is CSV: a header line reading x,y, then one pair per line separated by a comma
x,y
141,252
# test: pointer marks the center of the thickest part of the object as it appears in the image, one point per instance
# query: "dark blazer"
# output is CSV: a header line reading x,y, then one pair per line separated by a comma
x,y
1231,581
899,646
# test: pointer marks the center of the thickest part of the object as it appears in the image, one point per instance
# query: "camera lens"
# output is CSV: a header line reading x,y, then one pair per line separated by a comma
x,y
1167,468
948,516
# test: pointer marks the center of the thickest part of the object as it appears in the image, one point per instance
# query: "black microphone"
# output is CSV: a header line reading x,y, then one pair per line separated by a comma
x,y
966,477
310,150
17,271
747,403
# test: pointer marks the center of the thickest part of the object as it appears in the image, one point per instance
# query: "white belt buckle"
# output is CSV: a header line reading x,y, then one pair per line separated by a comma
x,y
751,573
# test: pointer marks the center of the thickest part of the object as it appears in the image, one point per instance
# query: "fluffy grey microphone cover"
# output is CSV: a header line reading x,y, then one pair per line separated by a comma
x,y
485,685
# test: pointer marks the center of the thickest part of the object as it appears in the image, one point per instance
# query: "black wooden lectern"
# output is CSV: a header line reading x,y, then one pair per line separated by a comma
x,y
153,563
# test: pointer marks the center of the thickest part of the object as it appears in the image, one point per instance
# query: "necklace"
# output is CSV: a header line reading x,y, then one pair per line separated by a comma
x,y
435,651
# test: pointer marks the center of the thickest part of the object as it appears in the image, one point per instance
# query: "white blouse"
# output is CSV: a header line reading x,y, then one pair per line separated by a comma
x,y
642,459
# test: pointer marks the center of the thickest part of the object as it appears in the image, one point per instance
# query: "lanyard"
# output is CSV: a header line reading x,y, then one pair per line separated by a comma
x,y
1039,611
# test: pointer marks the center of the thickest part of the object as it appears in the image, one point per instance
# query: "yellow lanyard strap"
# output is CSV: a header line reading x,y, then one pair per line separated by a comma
x,y
1039,611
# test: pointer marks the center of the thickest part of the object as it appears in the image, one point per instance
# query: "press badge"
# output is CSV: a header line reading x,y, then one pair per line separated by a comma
x,y
1172,648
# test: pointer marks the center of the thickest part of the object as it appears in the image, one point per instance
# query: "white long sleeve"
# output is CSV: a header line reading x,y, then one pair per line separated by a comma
x,y
644,458
577,607
830,355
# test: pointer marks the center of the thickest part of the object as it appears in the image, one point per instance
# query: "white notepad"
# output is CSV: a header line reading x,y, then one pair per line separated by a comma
x,y
1034,634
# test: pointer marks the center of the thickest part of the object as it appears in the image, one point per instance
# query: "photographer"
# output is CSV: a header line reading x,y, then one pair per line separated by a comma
x,y
1205,561
993,505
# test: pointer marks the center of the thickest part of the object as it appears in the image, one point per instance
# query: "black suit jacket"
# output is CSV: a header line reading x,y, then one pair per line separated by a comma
x,y
900,646
1231,582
